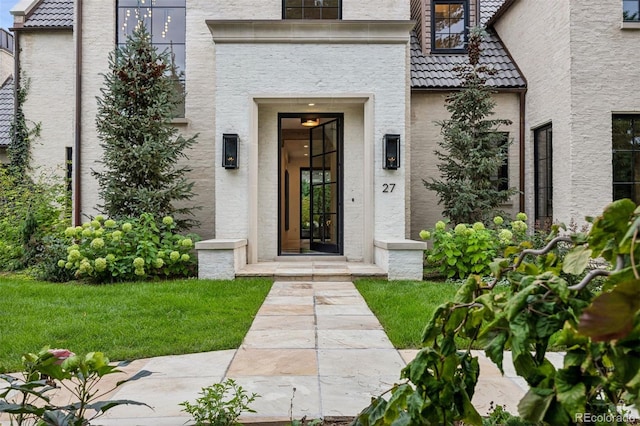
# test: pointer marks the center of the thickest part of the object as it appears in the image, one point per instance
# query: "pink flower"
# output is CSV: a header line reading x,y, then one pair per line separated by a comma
x,y
61,354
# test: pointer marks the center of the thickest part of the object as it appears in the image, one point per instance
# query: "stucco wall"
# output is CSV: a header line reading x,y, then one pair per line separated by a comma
x,y
48,63
537,35
272,9
427,108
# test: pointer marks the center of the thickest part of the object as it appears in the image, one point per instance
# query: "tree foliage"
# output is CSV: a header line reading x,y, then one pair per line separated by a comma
x,y
472,149
140,147
550,297
19,150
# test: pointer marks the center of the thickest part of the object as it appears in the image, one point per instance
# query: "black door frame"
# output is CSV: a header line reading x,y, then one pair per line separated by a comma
x,y
340,182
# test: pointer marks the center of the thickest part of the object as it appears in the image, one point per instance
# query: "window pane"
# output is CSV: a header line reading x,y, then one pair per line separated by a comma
x,y
622,191
311,9
169,25
311,13
442,11
623,166
293,13
630,10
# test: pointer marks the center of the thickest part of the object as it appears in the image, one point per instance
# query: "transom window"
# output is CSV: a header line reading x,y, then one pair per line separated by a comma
x,y
311,9
626,157
449,23
166,22
631,10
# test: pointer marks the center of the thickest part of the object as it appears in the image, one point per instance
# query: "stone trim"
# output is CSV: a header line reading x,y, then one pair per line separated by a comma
x,y
220,259
400,259
300,31
630,25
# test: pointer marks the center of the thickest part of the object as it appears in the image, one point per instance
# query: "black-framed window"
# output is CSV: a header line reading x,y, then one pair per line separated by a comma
x,y
449,24
501,176
166,22
543,175
631,10
311,9
626,156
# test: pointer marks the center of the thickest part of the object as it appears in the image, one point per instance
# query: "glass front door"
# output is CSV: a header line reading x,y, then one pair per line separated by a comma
x,y
325,203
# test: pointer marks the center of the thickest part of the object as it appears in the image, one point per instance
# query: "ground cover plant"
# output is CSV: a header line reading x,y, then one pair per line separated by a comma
x,y
403,307
128,320
549,296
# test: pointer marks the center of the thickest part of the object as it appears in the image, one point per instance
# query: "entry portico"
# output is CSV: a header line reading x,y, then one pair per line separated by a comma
x,y
266,70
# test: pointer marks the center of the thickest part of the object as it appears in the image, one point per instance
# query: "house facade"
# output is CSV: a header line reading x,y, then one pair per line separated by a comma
x,y
316,119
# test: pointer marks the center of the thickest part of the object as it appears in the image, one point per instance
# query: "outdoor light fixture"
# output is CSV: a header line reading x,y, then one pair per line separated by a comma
x,y
391,152
230,150
309,122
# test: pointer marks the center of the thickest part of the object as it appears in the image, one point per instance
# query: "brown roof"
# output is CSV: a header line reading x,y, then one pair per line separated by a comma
x,y
51,14
436,71
6,111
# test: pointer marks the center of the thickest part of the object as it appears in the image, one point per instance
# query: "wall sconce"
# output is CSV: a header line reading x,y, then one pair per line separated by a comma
x,y
391,152
230,150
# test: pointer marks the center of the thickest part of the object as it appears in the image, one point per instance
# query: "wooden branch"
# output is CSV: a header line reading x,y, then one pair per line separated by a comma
x,y
598,273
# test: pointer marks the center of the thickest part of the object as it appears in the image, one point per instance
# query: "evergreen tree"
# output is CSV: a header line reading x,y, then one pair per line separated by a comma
x,y
472,148
140,146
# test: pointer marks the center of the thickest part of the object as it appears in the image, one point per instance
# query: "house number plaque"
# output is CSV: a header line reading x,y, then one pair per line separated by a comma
x,y
388,187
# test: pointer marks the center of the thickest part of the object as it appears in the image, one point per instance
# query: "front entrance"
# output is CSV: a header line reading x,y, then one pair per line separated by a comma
x,y
310,184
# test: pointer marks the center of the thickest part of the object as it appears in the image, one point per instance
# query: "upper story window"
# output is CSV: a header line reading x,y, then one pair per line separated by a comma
x,y
312,9
631,10
449,23
166,22
626,156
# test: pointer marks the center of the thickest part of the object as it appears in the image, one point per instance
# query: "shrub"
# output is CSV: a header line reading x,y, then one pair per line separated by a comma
x,y
469,249
30,209
139,248
220,404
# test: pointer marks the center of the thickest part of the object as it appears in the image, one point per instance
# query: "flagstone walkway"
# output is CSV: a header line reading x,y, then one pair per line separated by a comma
x,y
314,349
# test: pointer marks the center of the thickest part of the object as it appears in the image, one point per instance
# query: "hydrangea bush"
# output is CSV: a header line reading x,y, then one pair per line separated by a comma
x,y
105,250
470,248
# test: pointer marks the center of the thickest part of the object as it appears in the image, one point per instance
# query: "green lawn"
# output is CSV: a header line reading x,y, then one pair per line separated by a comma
x,y
125,321
404,307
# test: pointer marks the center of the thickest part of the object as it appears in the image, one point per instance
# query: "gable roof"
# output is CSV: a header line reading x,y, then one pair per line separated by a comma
x,y
50,14
437,71
6,111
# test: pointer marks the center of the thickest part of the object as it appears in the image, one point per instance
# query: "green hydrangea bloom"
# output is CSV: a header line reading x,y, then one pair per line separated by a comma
x,y
460,229
505,236
161,254
98,232
70,232
167,220
61,263
73,247
187,243
68,265
95,224
100,264
185,257
521,216
425,235
519,226
74,255
139,271
440,225
100,218
97,243
116,236
110,223
86,225
138,262
87,233
174,255
478,226
111,258
126,227
498,220
158,263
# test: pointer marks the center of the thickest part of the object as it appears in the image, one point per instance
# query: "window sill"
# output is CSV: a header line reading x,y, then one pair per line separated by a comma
x,y
630,25
179,120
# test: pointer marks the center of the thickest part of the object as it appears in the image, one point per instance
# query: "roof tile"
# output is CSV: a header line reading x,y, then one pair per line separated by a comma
x,y
51,13
6,111
437,71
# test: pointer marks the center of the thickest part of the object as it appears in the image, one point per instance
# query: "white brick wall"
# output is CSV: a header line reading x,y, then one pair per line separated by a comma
x,y
580,66
245,71
272,9
427,109
6,65
48,62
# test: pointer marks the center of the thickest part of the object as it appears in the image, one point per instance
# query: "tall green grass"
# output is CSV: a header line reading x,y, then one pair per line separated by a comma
x,y
125,321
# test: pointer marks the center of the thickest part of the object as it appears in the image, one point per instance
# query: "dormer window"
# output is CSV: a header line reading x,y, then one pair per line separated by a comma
x,y
631,10
311,9
449,23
